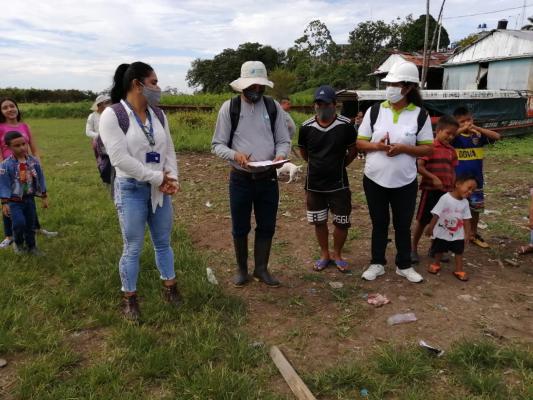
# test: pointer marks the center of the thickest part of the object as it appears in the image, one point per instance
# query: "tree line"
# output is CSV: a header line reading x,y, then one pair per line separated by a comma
x,y
47,95
315,58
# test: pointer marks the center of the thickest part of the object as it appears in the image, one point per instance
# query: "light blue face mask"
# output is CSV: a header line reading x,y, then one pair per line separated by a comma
x,y
152,95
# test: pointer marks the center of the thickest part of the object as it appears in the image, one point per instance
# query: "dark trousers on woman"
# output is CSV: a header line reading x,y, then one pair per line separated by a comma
x,y
402,202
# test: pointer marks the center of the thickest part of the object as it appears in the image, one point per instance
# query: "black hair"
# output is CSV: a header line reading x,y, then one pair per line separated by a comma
x,y
124,75
466,177
10,136
414,95
2,116
446,121
284,98
461,112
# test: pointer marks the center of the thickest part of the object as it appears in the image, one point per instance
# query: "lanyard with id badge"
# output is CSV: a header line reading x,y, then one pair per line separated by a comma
x,y
152,157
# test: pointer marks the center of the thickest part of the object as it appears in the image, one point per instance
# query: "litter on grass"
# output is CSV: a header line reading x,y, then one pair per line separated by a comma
x,y
377,299
431,349
397,319
211,278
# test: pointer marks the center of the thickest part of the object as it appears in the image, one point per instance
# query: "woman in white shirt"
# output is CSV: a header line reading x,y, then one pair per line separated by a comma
x,y
101,102
400,133
137,138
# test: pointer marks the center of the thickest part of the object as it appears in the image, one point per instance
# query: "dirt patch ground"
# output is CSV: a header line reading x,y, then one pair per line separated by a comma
x,y
317,325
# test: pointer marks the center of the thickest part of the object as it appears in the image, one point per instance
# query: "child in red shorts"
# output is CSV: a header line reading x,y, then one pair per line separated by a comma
x,y
438,176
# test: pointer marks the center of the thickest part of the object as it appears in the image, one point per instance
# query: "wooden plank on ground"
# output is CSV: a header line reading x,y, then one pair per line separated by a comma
x,y
296,384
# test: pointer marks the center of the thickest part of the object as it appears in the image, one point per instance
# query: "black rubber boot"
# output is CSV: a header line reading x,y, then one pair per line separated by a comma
x,y
241,253
172,295
261,253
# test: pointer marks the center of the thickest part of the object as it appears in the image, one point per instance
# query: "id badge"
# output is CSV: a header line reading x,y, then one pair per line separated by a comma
x,y
153,157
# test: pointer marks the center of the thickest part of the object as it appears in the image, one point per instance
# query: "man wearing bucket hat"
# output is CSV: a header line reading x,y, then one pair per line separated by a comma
x,y
101,102
251,127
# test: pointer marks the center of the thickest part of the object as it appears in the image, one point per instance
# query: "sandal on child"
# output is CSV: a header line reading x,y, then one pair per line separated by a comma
x,y
461,275
342,266
321,264
434,268
523,250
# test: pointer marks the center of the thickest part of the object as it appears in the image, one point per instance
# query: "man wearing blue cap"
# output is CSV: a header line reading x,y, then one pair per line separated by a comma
x,y
327,143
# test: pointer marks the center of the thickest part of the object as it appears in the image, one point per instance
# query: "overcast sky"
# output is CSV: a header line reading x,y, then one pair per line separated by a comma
x,y
67,44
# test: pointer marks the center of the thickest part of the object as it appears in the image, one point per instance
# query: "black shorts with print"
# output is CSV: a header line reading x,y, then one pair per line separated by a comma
x,y
339,203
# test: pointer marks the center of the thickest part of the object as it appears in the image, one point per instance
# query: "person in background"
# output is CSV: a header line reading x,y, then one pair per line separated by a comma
x,y
450,225
528,249
399,135
469,144
255,137
327,143
438,176
106,170
99,105
11,120
358,119
286,106
21,179
137,138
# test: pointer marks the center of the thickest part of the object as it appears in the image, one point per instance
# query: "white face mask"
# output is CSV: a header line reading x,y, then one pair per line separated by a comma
x,y
393,94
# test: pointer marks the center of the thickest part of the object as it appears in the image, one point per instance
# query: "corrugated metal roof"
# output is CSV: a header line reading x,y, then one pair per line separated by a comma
x,y
435,60
499,44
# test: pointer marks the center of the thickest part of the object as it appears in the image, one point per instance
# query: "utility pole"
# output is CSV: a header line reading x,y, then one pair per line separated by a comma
x,y
426,38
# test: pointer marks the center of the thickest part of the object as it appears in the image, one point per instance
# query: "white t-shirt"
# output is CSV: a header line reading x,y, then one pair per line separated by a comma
x,y
91,128
398,171
452,213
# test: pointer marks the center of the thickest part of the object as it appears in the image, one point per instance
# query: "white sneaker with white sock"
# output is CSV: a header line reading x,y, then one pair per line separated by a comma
x,y
373,272
410,274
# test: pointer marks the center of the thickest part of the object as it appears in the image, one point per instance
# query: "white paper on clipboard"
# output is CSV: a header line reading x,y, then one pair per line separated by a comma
x,y
268,163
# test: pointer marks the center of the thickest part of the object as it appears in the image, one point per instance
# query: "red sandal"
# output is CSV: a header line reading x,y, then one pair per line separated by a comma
x,y
461,275
434,268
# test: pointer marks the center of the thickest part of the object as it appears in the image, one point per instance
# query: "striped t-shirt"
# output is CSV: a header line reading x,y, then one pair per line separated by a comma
x,y
442,164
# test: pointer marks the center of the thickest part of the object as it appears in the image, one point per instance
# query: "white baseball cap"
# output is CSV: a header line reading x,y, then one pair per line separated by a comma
x,y
252,73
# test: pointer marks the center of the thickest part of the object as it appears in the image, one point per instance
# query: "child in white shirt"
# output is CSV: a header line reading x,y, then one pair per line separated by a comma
x,y
451,224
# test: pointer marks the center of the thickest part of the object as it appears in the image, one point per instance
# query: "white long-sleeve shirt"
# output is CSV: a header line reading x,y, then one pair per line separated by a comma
x,y
127,152
91,128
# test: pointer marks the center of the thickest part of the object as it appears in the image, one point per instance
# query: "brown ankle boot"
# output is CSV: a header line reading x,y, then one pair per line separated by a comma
x,y
172,295
130,308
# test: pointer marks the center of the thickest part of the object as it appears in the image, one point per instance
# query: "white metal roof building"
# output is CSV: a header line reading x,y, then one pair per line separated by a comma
x,y
502,59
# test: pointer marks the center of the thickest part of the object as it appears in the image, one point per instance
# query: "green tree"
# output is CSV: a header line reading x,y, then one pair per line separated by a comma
x,y
468,40
284,83
412,34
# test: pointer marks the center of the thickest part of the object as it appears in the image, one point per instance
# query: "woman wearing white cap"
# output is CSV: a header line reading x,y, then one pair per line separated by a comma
x,y
393,134
101,102
252,127
107,172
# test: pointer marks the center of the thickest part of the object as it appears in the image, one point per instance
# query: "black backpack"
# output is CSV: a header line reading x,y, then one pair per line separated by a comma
x,y
374,112
235,114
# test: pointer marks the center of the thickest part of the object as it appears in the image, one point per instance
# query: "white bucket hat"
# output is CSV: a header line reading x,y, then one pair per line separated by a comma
x,y
252,73
100,99
402,71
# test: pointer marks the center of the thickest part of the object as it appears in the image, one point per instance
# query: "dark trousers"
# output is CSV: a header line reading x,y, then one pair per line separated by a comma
x,y
260,192
402,202
23,220
8,225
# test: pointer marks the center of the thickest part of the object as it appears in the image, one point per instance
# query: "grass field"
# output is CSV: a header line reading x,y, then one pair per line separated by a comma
x,y
62,335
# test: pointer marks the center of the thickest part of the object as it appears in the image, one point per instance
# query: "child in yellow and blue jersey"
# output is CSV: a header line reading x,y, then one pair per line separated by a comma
x,y
469,144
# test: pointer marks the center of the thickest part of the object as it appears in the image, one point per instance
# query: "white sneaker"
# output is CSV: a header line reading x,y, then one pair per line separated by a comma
x,y
6,243
46,233
373,272
410,274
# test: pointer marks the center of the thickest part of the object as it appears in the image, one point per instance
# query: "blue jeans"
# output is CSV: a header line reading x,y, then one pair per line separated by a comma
x,y
23,220
262,195
8,225
133,202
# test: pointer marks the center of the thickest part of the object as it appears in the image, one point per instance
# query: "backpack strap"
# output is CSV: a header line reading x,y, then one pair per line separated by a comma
x,y
421,120
159,114
234,115
122,116
124,119
272,111
374,112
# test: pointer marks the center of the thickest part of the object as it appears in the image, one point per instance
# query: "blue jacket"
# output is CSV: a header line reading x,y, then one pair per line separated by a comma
x,y
10,185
